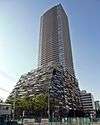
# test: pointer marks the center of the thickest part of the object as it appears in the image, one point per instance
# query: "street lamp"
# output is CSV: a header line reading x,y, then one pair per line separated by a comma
x,y
49,101
23,116
14,104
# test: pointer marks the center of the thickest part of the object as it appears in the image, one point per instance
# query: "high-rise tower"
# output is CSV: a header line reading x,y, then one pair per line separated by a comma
x,y
54,39
54,78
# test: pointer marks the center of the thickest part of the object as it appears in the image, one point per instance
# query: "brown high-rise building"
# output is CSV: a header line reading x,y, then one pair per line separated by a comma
x,y
54,42
55,75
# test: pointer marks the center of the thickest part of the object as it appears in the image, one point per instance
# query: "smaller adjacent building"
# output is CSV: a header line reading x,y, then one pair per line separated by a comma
x,y
87,102
5,112
5,109
97,105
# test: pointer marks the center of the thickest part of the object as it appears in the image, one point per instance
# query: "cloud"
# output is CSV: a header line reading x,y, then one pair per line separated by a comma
x,y
7,83
3,43
7,76
2,89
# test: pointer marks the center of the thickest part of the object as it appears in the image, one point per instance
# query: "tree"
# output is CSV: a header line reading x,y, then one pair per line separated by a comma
x,y
36,105
40,102
23,105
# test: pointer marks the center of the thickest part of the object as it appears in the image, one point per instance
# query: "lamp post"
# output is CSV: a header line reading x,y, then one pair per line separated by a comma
x,y
23,116
14,104
49,102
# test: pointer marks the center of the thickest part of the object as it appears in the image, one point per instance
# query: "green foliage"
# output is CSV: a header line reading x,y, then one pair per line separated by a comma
x,y
37,102
40,102
32,106
21,103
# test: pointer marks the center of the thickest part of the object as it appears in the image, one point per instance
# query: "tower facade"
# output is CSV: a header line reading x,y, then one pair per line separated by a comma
x,y
54,78
54,39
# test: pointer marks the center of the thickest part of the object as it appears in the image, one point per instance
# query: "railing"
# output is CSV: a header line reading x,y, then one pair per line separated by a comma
x,y
66,121
73,121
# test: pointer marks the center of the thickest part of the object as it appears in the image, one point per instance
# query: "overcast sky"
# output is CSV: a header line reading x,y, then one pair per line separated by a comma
x,y
19,36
